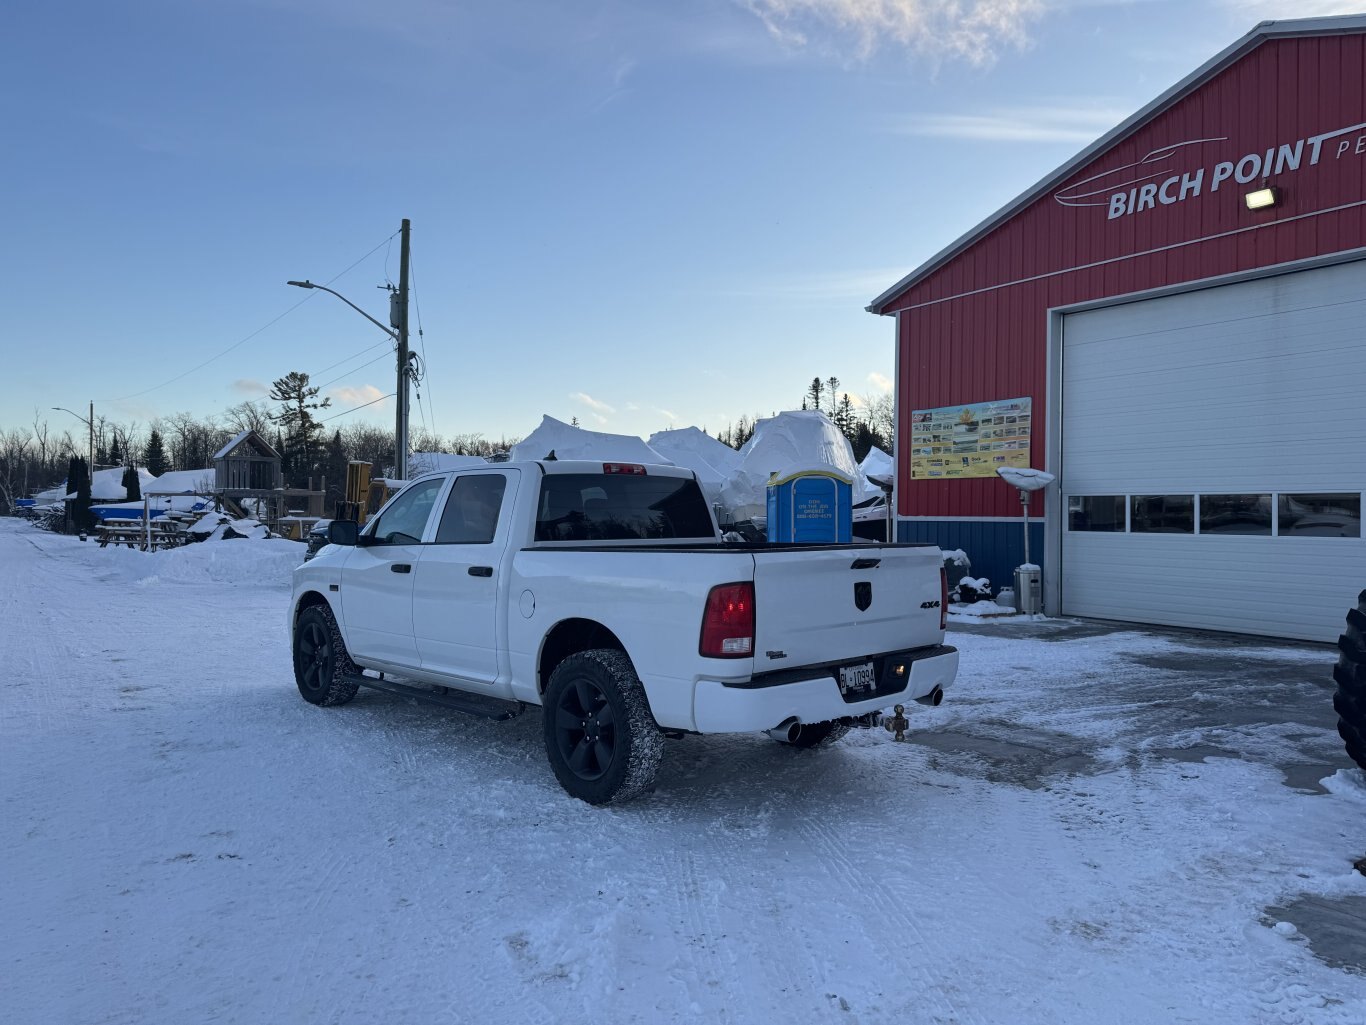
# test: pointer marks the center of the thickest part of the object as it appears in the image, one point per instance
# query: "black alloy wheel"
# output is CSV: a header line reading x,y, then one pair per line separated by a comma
x,y
585,729
600,738
321,663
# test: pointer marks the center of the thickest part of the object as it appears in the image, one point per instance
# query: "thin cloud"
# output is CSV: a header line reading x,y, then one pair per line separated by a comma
x,y
881,382
1017,124
352,397
593,404
975,31
248,386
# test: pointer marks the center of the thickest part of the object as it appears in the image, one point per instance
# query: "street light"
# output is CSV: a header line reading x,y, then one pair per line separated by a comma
x,y
91,425
398,316
324,288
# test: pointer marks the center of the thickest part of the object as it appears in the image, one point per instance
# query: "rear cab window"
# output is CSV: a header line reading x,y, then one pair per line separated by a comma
x,y
621,507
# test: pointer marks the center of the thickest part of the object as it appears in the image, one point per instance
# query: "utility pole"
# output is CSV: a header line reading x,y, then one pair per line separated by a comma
x,y
398,317
91,424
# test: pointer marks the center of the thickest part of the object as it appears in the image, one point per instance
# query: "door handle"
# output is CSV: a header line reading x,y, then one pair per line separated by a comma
x,y
481,571
401,567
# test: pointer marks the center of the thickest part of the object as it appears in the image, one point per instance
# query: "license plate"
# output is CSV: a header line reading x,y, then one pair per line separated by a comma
x,y
857,678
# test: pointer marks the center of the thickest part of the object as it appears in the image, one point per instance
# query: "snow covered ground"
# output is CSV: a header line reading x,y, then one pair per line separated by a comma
x,y
184,840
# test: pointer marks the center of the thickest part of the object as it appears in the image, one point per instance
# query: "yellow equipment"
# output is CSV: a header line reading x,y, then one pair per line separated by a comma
x,y
364,494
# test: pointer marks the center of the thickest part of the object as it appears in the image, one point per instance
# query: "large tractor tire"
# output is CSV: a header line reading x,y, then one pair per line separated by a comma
x,y
1350,674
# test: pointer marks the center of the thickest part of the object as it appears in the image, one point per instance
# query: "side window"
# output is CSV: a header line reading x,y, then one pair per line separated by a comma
x,y
404,521
1096,512
1321,515
471,514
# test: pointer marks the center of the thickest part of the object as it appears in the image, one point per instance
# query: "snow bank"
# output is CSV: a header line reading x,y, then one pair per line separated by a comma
x,y
570,442
980,610
269,561
789,443
1349,783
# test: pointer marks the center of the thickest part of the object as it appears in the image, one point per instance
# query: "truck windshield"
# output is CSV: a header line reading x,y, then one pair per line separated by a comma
x,y
620,507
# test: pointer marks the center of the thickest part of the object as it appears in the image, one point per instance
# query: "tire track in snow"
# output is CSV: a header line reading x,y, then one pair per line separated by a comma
x,y
892,910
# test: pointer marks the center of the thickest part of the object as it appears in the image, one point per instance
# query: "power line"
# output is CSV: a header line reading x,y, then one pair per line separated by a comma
x,y
355,408
249,337
382,355
348,359
421,339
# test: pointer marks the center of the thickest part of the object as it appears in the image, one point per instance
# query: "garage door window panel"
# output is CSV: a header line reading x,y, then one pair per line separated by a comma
x,y
1099,513
1322,515
1236,514
1162,514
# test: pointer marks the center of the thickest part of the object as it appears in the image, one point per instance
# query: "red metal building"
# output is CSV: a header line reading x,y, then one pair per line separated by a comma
x,y
1191,364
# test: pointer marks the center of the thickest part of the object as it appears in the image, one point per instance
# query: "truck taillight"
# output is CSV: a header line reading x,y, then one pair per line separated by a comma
x,y
728,622
943,599
634,469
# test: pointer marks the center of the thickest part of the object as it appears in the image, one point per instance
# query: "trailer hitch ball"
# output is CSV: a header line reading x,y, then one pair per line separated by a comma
x,y
897,724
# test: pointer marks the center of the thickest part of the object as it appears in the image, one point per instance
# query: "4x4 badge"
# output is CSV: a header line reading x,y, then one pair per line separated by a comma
x,y
863,595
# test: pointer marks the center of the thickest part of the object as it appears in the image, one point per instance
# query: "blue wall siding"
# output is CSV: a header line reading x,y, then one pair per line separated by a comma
x,y
995,548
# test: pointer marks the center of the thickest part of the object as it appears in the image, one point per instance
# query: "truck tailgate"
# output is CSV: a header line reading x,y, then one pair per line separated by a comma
x,y
844,603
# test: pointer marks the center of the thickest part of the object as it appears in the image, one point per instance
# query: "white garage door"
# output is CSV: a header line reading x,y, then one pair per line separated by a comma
x,y
1214,456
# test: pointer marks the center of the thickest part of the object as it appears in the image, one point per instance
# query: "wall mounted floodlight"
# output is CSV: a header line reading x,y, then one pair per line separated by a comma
x,y
1263,198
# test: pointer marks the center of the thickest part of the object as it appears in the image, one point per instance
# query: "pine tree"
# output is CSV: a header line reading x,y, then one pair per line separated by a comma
x,y
115,453
832,384
132,485
843,416
813,394
155,457
298,399
81,515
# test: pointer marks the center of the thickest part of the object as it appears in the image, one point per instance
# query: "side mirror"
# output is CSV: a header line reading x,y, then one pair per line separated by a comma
x,y
343,532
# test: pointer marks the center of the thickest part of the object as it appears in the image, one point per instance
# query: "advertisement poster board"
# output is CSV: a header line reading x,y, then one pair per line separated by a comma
x,y
970,441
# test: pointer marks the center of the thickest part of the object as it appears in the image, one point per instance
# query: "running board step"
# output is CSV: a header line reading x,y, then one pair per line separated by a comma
x,y
471,704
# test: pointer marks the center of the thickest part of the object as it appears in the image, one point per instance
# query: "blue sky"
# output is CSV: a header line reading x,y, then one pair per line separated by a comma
x,y
642,213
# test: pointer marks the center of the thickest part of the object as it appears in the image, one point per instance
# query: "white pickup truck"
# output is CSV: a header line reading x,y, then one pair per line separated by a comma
x,y
603,592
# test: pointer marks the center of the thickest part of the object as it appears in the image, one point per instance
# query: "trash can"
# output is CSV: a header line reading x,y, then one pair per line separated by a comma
x,y
1028,590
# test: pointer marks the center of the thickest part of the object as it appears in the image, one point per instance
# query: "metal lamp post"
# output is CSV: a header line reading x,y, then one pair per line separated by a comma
x,y
90,423
398,316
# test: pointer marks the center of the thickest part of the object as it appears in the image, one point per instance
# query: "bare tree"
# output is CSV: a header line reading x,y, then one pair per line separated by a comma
x,y
15,457
249,416
879,412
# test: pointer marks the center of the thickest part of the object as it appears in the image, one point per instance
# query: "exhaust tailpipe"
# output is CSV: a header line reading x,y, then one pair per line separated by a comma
x,y
934,698
787,730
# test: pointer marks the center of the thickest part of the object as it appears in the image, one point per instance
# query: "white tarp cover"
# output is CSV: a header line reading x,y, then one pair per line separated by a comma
x,y
570,442
435,462
787,444
876,463
182,482
713,461
105,486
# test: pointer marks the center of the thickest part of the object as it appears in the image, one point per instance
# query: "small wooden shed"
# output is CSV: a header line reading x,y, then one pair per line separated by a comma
x,y
247,465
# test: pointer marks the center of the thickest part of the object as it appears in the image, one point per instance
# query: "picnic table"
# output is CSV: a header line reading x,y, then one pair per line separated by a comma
x,y
133,533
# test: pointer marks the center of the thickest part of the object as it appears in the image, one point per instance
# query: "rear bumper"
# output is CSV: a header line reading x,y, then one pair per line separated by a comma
x,y
730,708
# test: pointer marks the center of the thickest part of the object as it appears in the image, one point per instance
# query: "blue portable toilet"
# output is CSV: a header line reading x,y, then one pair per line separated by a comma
x,y
814,505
